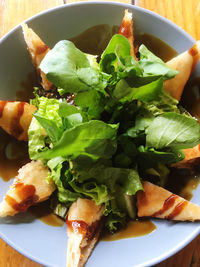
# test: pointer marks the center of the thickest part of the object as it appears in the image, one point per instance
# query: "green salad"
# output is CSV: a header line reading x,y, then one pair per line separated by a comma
x,y
121,127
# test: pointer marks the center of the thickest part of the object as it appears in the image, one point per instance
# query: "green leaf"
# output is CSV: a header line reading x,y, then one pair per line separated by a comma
x,y
96,192
95,138
153,65
150,156
128,179
117,47
173,130
91,102
66,109
50,128
70,69
47,113
65,194
162,104
144,93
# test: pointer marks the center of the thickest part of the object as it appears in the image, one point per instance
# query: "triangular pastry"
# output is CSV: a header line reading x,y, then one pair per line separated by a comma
x,y
37,50
126,29
158,202
15,118
84,224
184,64
29,187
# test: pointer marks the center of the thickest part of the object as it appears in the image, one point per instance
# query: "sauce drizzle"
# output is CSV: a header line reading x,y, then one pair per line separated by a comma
x,y
16,128
179,207
169,202
77,226
193,51
2,105
41,49
27,195
125,29
133,229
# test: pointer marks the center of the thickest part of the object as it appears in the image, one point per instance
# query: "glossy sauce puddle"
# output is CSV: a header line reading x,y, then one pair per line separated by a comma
x,y
93,40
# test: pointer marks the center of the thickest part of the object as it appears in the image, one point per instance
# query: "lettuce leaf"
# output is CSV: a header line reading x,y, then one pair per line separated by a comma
x,y
38,135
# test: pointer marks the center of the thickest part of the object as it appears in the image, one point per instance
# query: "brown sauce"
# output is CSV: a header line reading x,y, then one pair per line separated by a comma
x,y
133,229
156,46
95,39
191,185
78,227
193,51
178,209
125,29
2,105
183,182
25,93
16,128
191,97
43,212
169,202
13,155
27,195
41,49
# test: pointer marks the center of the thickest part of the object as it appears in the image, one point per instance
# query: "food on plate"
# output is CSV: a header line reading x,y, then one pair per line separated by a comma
x,y
29,187
15,118
185,64
37,50
191,154
84,225
113,127
158,202
126,29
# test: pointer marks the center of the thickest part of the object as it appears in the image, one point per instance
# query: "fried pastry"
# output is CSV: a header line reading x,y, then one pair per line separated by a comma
x,y
15,118
84,224
28,188
157,202
37,50
126,29
184,64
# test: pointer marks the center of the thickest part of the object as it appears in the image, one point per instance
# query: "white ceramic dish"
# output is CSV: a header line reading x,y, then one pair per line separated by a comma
x,y
46,244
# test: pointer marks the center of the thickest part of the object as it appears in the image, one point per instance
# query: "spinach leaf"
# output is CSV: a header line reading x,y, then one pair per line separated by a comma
x,y
70,69
91,102
117,48
173,130
94,138
143,93
153,65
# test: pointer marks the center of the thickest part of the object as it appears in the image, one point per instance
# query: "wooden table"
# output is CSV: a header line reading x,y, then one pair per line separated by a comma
x,y
185,13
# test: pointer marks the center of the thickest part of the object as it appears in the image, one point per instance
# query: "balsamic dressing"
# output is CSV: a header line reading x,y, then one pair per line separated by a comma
x,y
13,155
133,229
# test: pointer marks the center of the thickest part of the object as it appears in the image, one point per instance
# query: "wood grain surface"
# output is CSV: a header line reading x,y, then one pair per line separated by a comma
x,y
185,13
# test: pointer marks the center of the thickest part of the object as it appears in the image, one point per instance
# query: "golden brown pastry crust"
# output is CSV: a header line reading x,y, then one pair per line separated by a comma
x,y
15,118
28,188
84,224
158,202
37,50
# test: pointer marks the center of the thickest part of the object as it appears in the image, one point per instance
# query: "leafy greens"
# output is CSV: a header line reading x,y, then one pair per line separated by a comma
x,y
121,126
